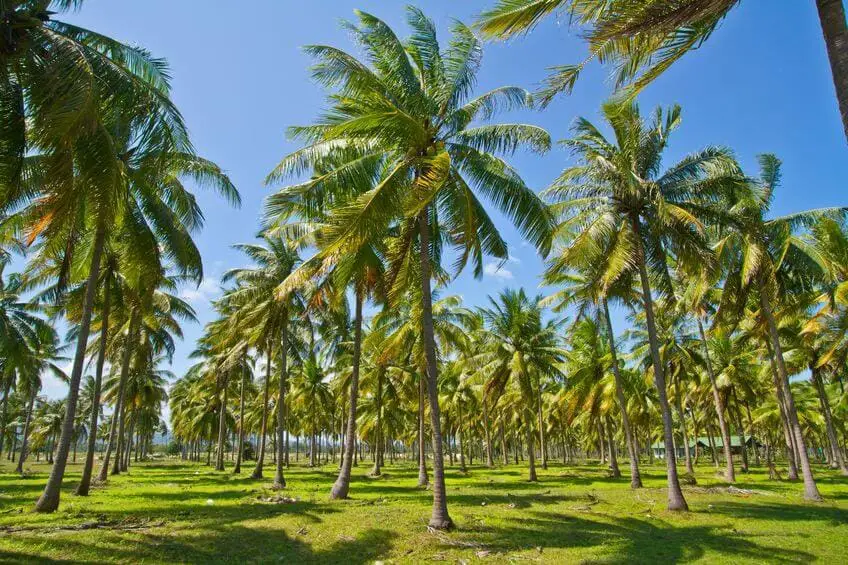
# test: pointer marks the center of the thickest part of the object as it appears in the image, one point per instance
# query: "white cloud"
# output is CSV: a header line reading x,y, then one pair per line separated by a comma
x,y
513,259
208,289
497,270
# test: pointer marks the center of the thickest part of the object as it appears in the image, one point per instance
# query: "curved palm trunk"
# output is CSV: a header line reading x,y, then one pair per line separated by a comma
x,y
743,445
25,436
729,473
423,479
683,431
125,461
811,491
440,519
836,451
237,468
342,485
85,482
835,31
279,479
676,501
378,461
462,466
222,424
531,448
791,459
635,476
49,500
260,461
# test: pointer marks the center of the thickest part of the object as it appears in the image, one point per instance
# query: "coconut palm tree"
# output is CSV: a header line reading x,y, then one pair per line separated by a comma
x,y
410,109
620,209
643,39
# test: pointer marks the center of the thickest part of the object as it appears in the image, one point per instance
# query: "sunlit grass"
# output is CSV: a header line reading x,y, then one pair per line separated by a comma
x,y
187,513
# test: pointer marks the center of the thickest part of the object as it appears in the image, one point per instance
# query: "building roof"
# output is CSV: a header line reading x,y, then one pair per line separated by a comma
x,y
735,441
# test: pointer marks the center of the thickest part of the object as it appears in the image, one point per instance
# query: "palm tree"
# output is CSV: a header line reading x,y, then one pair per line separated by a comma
x,y
644,39
410,109
521,348
621,210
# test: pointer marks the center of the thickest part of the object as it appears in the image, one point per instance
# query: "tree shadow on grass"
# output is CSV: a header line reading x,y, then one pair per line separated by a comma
x,y
782,512
625,540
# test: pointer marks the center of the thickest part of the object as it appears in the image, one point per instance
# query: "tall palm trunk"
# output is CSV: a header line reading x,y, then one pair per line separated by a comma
x,y
279,479
342,485
811,491
788,437
25,436
423,479
462,466
378,397
729,473
835,31
121,406
751,434
260,460
440,519
113,443
613,458
125,462
222,423
504,450
4,412
683,431
675,494
836,451
635,476
531,447
743,447
490,462
543,446
237,468
85,482
49,500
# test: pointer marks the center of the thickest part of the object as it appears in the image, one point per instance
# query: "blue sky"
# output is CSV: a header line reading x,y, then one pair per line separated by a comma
x,y
761,84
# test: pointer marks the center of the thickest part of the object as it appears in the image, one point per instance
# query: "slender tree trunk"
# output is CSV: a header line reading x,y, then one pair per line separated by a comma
x,y
616,472
791,459
440,519
237,468
531,448
25,437
504,450
260,460
752,435
222,423
49,500
675,494
121,406
729,472
378,398
835,31
85,482
742,439
490,462
811,491
462,466
635,476
683,431
125,462
423,479
4,412
543,446
838,460
342,485
279,479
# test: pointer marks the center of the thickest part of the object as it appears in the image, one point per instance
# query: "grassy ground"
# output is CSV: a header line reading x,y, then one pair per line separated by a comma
x,y
178,513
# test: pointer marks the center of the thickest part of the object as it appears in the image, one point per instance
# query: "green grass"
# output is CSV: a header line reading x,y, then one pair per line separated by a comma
x,y
185,513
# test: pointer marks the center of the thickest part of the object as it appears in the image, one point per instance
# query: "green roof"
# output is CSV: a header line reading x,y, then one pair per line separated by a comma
x,y
735,441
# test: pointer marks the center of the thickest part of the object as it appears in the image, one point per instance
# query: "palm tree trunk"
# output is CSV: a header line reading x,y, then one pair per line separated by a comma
x,y
751,434
85,482
490,462
125,462
616,472
378,397
440,519
838,460
635,476
279,479
729,473
683,431
4,412
49,500
25,436
342,485
121,406
543,446
788,437
237,468
222,423
675,494
811,491
504,450
531,447
743,445
260,460
462,466
835,31
423,479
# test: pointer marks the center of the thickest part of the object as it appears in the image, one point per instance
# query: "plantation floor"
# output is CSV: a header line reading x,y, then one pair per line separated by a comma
x,y
183,513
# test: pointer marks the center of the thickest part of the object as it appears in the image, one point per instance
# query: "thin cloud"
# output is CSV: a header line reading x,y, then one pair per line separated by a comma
x,y
497,270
